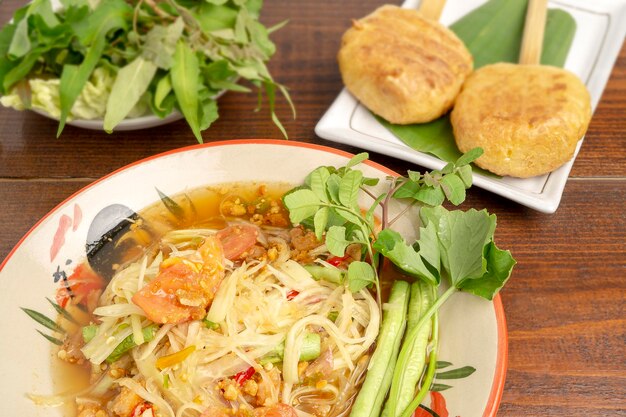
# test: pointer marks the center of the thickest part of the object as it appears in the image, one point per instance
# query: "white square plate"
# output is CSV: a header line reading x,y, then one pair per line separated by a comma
x,y
601,27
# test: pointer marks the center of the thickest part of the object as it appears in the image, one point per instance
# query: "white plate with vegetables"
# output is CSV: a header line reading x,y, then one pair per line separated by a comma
x,y
179,285
117,65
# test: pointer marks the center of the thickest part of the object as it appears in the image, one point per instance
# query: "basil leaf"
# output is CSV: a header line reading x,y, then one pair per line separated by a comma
x,y
185,73
160,43
20,44
108,16
131,83
163,89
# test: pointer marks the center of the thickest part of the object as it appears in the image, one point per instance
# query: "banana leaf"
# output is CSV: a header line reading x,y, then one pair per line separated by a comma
x,y
492,33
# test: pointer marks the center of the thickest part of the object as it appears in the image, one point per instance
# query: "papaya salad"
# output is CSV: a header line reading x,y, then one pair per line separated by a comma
x,y
259,302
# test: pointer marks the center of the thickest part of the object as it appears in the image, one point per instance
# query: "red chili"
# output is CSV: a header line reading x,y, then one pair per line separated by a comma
x,y
141,408
336,260
243,376
292,294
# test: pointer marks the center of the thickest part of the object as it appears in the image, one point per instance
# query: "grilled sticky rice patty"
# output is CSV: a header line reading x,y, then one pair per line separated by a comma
x,y
403,67
527,118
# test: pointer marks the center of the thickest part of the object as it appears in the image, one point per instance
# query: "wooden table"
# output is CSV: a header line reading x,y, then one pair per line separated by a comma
x,y
565,303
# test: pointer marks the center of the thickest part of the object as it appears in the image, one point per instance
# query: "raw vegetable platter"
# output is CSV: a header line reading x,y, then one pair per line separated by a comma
x,y
596,31
473,344
133,65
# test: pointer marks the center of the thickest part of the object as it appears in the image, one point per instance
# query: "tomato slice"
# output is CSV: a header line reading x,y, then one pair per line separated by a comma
x,y
182,291
237,240
278,410
159,298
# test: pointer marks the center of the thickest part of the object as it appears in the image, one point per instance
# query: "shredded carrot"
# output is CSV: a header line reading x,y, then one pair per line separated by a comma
x,y
175,358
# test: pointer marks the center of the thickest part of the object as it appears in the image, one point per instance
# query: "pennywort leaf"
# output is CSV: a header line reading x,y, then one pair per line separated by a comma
x,y
360,275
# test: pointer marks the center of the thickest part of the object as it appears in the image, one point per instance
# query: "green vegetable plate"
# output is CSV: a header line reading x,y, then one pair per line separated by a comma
x,y
126,65
582,36
472,354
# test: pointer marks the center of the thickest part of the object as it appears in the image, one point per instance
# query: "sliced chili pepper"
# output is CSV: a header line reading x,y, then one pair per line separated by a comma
x,y
243,376
141,408
292,294
337,260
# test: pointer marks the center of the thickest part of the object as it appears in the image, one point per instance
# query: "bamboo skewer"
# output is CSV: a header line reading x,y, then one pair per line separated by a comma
x,y
431,9
532,42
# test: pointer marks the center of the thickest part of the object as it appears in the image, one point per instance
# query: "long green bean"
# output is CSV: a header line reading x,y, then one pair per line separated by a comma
x,y
370,399
405,379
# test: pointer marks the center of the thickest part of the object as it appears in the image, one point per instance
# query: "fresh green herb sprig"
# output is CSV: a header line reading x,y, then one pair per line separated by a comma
x,y
329,204
171,54
455,246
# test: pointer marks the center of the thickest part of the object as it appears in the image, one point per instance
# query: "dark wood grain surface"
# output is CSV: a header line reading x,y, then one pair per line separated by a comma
x,y
565,303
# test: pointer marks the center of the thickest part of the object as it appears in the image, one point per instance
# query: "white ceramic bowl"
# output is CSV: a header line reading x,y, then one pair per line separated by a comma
x,y
473,331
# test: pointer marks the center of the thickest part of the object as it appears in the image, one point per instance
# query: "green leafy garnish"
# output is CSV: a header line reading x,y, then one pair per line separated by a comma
x,y
158,56
452,245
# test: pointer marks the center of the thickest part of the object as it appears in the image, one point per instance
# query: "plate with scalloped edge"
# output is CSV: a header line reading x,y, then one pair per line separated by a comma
x,y
601,27
472,330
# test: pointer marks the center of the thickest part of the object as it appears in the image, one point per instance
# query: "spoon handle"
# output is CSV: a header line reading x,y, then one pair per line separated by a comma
x,y
431,9
534,28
